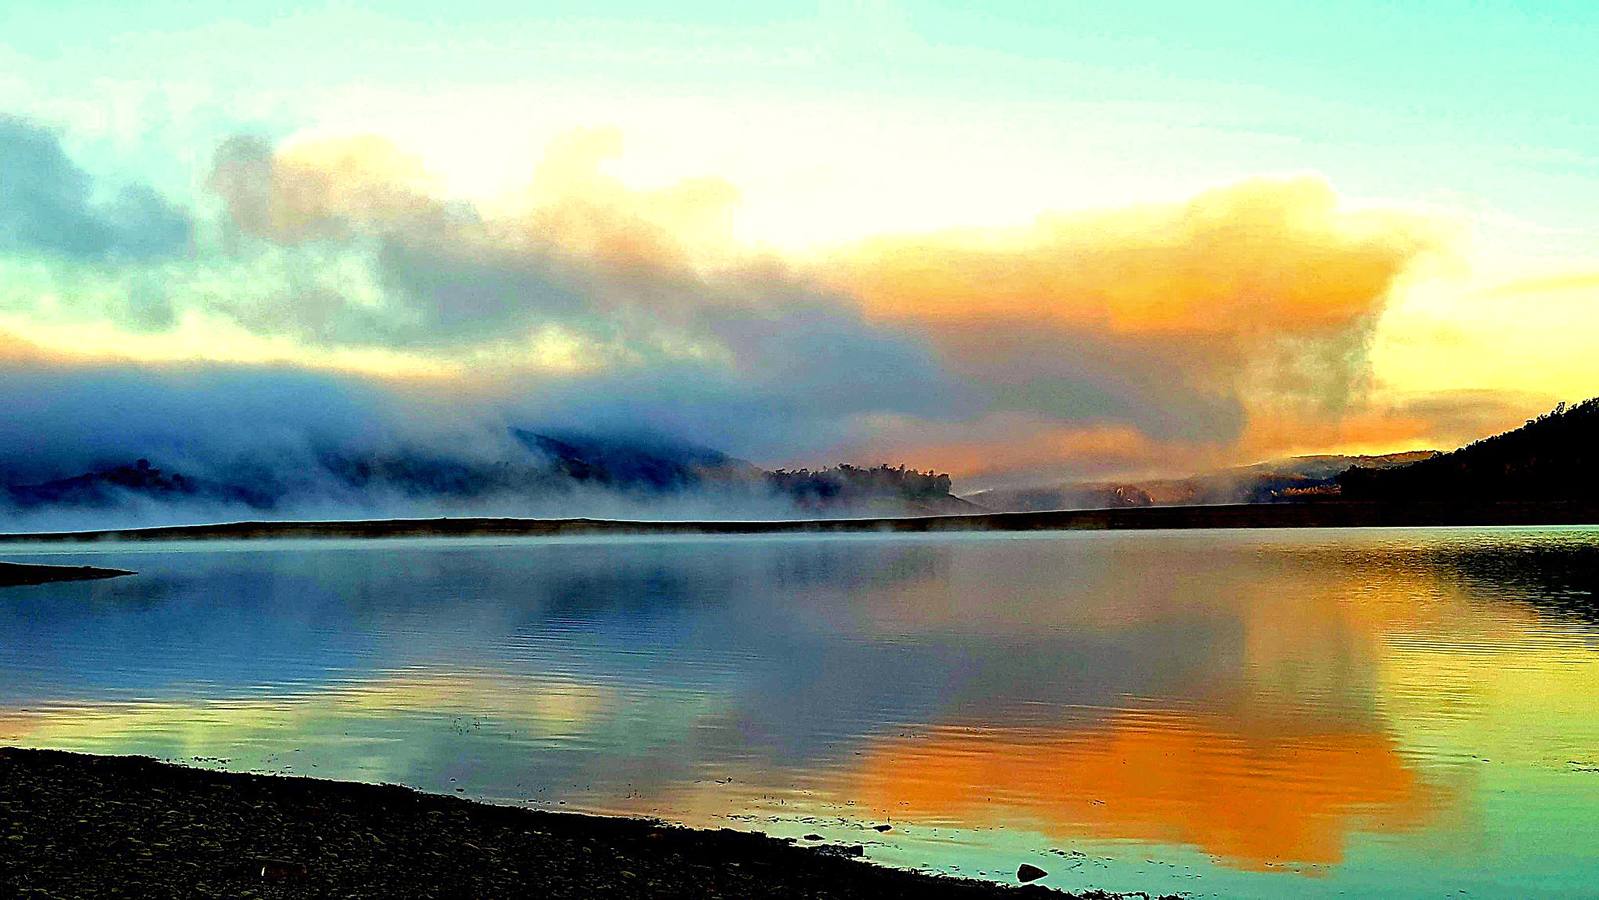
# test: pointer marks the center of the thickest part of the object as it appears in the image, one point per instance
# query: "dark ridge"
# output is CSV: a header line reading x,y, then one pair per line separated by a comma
x,y
1276,481
1554,457
89,826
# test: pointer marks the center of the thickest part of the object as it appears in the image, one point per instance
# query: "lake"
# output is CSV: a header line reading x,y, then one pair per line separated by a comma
x,y
1230,713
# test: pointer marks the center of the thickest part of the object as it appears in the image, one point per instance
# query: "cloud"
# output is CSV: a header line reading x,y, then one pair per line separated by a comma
x,y
1004,447
1573,282
1173,318
49,205
1152,338
799,382
662,329
1438,421
1264,256
1204,288
1173,321
324,189
573,202
576,248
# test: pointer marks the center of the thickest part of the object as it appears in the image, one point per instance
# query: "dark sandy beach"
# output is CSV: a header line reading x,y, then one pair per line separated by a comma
x,y
13,574
73,825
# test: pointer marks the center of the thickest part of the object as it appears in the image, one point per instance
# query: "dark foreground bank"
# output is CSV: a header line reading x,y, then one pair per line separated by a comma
x,y
12,574
1321,514
90,826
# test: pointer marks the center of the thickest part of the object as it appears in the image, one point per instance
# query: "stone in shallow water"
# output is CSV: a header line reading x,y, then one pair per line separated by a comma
x,y
1028,872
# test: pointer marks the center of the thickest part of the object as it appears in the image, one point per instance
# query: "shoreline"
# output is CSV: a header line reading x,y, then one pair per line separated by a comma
x,y
85,825
1319,514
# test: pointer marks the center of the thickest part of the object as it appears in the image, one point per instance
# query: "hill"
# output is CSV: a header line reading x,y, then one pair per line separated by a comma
x,y
1267,482
1554,457
537,473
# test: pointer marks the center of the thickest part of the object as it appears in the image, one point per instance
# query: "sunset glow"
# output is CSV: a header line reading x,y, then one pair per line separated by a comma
x,y
1080,240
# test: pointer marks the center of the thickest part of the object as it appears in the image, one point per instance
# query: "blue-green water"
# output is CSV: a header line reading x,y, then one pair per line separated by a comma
x,y
1396,713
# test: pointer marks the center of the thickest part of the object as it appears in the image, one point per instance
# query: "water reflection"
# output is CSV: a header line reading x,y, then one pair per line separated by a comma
x,y
1250,800
1329,702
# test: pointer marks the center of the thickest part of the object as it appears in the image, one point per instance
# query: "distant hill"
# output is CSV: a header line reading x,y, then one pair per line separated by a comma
x,y
552,471
1552,457
101,486
106,487
1267,482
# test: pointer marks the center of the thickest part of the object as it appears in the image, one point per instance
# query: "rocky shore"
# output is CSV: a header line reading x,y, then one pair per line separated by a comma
x,y
88,826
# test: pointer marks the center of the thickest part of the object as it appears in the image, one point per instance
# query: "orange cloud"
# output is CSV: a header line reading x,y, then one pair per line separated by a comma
x,y
1177,320
1261,257
1439,422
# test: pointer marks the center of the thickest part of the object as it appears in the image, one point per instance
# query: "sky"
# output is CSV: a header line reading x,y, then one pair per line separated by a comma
x,y
1019,243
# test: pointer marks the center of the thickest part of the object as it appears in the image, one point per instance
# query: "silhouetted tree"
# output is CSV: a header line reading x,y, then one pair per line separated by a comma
x,y
845,483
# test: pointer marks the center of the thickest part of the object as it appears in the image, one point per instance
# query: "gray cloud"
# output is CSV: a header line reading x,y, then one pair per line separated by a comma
x,y
48,204
1079,376
462,292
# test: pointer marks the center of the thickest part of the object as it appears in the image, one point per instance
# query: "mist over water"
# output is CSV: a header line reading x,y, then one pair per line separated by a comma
x,y
1224,713
132,510
91,448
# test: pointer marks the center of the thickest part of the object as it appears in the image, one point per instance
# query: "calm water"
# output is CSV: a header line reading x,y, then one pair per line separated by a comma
x,y
1224,713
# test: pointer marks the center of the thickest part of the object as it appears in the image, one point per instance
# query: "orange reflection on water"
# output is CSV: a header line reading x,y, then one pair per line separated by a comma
x,y
1251,800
